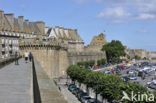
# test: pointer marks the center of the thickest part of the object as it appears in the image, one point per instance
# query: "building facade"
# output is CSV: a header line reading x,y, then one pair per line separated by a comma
x,y
12,30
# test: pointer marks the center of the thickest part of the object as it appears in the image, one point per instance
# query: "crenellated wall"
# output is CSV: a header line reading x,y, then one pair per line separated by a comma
x,y
54,60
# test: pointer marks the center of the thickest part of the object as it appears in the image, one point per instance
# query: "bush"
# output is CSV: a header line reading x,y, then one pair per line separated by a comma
x,y
101,62
86,64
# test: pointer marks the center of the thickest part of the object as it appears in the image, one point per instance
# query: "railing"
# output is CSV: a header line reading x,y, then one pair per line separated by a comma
x,y
36,91
4,62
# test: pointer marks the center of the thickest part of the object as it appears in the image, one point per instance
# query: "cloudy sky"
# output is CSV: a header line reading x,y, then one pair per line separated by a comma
x,y
131,21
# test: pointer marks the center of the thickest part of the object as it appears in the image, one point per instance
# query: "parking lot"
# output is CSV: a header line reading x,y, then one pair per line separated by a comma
x,y
142,72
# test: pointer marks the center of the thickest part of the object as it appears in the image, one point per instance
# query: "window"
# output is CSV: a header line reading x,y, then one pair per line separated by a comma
x,y
3,41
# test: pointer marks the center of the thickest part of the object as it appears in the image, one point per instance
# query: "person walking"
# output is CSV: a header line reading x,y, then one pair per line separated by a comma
x,y
26,54
16,58
30,56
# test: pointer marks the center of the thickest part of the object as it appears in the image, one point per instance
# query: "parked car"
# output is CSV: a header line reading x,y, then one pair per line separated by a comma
x,y
152,85
71,87
75,91
131,72
81,95
133,77
115,101
93,100
125,79
107,72
84,99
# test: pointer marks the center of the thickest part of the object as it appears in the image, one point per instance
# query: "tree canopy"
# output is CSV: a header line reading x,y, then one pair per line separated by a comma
x,y
114,50
109,86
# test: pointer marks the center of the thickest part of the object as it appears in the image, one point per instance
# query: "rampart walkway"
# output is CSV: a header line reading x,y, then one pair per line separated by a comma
x,y
16,83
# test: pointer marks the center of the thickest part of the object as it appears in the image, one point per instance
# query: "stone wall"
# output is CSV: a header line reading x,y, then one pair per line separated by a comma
x,y
75,57
75,46
152,56
53,60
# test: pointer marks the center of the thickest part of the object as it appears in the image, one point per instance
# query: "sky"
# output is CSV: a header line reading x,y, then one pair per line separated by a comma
x,y
133,22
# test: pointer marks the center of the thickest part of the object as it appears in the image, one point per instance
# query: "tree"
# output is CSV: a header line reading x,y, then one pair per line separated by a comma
x,y
128,57
91,63
73,71
114,50
92,81
137,57
111,87
101,62
86,64
135,88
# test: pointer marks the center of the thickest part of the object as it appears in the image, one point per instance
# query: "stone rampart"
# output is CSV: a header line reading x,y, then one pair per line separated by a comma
x,y
52,58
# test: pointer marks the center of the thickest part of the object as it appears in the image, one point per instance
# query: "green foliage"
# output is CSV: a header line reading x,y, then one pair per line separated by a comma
x,y
113,87
136,88
109,86
81,64
154,95
91,63
137,57
73,72
128,57
114,50
101,62
86,64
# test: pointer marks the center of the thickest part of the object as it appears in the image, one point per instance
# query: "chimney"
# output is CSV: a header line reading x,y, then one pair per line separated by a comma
x,y
41,26
26,21
1,18
20,22
10,18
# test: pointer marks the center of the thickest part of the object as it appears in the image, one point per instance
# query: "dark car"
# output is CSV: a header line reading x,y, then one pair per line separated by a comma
x,y
80,95
75,91
93,100
85,99
125,79
71,87
152,85
115,101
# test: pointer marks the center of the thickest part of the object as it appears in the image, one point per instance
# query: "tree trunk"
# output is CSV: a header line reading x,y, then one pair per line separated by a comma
x,y
87,89
96,95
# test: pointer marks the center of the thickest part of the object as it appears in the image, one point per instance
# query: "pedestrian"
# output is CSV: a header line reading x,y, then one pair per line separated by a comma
x,y
26,54
16,58
59,88
30,56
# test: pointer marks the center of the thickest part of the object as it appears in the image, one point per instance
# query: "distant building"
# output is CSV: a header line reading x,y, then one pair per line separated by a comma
x,y
142,53
12,29
76,50
97,43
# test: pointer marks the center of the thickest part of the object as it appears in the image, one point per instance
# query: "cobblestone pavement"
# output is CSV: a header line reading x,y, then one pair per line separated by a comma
x,y
15,83
68,95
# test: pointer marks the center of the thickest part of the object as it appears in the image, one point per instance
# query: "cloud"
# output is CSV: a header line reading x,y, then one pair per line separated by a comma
x,y
118,13
117,22
146,16
128,10
142,31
